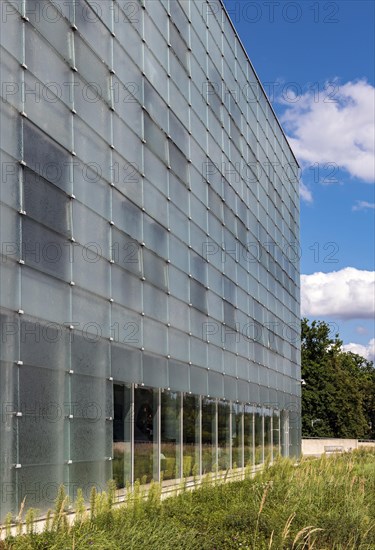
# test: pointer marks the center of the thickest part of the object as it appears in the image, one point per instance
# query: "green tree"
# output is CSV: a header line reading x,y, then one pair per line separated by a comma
x,y
338,393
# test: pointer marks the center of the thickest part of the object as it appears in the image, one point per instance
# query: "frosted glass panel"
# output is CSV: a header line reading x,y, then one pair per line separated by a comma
x,y
92,149
90,313
10,74
155,372
89,474
89,399
198,353
155,138
91,231
155,235
43,249
126,364
155,303
44,17
178,314
48,476
127,216
46,157
155,270
178,375
126,326
10,187
10,273
11,28
41,439
90,189
44,297
126,288
9,332
44,345
155,336
127,144
198,296
90,355
45,203
91,108
90,270
45,109
178,345
92,69
87,440
87,19
45,63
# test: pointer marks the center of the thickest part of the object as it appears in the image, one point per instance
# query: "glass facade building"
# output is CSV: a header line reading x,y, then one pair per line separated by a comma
x,y
149,299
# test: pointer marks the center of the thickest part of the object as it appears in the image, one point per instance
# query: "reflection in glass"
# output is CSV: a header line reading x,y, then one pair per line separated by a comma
x,y
223,436
208,434
284,433
275,435
237,436
267,435
191,435
170,435
146,451
121,435
248,436
258,438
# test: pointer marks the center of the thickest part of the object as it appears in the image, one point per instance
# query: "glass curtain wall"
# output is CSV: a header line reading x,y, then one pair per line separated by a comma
x,y
267,418
146,440
223,435
122,435
248,435
237,435
276,448
258,429
182,435
191,435
170,435
209,435
284,434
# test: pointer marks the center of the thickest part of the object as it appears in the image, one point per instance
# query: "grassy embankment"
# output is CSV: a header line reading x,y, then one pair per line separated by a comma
x,y
327,503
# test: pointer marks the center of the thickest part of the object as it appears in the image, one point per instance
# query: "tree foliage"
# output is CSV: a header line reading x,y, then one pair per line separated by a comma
x,y
338,392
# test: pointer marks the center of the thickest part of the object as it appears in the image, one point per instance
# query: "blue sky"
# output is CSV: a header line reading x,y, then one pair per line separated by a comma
x,y
320,57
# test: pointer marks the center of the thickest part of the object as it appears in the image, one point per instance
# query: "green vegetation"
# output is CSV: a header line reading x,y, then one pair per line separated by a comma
x,y
338,398
325,504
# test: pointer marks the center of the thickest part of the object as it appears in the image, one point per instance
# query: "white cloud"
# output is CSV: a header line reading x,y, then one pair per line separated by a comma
x,y
363,205
305,193
368,352
345,294
361,330
335,127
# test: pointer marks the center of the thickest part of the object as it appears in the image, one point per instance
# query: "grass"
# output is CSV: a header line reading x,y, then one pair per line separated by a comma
x,y
321,504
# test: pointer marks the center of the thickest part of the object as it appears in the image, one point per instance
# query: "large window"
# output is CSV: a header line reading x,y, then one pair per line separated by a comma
x,y
223,435
191,435
170,435
122,434
267,435
146,444
237,436
259,456
208,435
248,436
276,449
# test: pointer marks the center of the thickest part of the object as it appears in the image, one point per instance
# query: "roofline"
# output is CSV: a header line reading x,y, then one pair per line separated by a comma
x,y
257,77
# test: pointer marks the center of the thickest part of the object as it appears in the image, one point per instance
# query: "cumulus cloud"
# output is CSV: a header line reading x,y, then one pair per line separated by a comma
x,y
368,351
345,294
361,330
363,205
335,127
305,193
